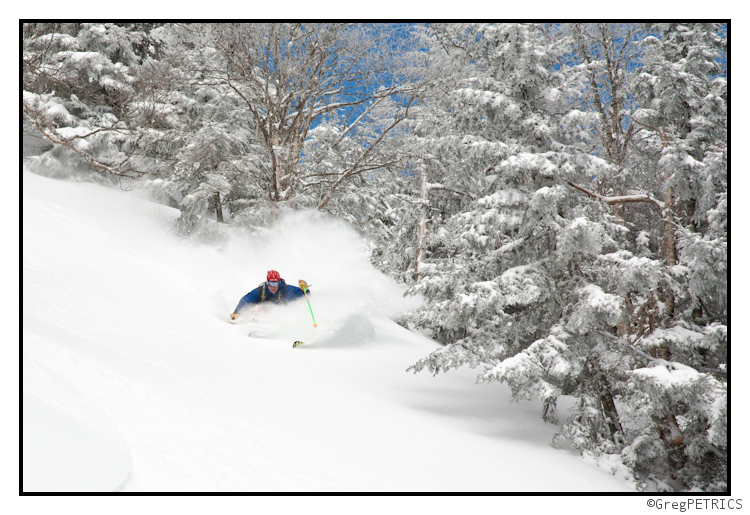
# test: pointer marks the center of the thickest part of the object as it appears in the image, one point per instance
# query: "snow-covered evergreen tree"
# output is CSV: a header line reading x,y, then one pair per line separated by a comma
x,y
681,90
561,293
98,92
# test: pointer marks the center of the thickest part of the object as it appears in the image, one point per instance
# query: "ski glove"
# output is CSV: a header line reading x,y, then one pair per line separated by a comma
x,y
303,285
233,316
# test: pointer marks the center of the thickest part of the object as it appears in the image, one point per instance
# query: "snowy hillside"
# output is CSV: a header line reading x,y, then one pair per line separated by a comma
x,y
133,379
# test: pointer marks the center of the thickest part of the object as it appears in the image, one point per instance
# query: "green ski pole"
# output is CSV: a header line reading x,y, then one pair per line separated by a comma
x,y
309,306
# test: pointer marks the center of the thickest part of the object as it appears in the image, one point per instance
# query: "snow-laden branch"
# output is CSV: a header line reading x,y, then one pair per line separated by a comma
x,y
626,199
437,186
45,128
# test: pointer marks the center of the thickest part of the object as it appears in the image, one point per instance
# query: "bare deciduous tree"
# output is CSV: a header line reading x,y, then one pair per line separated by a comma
x,y
292,75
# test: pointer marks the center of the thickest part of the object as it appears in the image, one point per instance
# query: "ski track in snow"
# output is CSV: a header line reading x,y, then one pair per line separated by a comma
x,y
126,344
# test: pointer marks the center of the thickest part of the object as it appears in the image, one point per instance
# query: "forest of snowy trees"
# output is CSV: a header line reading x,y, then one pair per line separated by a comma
x,y
556,193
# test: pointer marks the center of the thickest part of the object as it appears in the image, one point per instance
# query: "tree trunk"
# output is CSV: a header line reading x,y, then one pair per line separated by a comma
x,y
669,243
421,251
219,213
275,178
610,413
606,401
618,210
671,435
624,324
669,431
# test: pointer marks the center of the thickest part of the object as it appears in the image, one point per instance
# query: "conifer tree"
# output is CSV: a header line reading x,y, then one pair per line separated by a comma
x,y
577,269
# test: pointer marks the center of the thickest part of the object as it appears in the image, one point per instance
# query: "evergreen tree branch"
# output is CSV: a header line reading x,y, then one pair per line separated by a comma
x,y
45,128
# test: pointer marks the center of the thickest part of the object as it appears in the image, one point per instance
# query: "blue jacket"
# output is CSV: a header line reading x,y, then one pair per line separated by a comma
x,y
285,293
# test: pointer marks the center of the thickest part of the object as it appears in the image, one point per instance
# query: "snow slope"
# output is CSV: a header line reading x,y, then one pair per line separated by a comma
x,y
134,379
57,464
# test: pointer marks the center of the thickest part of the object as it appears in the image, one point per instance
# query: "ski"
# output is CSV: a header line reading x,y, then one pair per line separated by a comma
x,y
297,344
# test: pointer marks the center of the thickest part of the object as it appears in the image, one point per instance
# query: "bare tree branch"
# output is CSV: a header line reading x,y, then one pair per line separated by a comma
x,y
614,201
355,168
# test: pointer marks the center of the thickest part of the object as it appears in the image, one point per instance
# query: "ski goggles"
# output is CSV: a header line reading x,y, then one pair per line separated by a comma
x,y
273,284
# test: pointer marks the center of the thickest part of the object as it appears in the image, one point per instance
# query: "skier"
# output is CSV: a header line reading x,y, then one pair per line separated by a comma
x,y
274,289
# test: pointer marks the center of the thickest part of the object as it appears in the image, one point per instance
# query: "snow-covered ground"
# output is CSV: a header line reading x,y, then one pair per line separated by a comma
x,y
133,379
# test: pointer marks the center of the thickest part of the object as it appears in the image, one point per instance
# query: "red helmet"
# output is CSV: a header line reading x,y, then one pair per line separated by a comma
x,y
273,275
